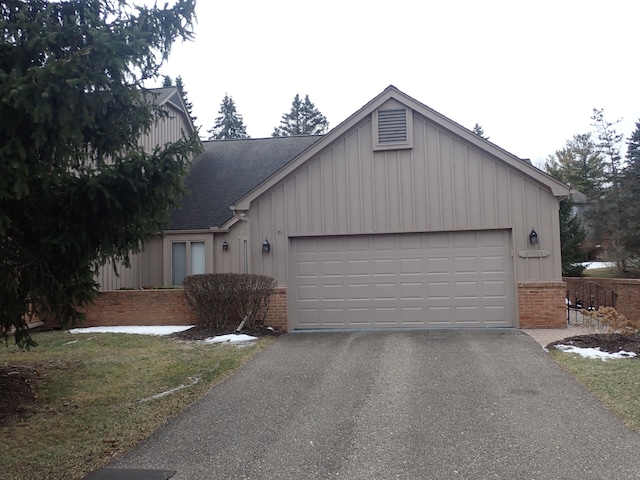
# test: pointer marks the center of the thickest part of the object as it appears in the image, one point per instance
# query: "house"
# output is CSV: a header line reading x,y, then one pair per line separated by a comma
x,y
174,126
396,218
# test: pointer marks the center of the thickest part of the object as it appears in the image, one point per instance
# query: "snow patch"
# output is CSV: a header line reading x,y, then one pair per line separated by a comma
x,y
231,338
594,265
595,352
139,330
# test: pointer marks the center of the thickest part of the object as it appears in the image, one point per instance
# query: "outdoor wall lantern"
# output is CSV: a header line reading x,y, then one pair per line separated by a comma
x,y
225,246
533,237
266,246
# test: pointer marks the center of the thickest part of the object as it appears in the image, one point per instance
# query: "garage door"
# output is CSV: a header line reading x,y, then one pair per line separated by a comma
x,y
417,280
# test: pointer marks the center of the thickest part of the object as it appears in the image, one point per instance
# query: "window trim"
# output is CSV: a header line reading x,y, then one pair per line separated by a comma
x,y
170,240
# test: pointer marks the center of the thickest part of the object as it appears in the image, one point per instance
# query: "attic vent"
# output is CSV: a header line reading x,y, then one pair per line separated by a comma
x,y
392,126
392,129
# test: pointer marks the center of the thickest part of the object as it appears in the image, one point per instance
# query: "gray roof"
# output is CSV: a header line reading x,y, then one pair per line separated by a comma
x,y
226,171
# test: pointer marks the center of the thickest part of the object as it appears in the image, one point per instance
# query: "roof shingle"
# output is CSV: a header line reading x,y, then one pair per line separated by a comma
x,y
226,171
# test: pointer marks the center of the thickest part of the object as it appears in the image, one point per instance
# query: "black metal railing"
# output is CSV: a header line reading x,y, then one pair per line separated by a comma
x,y
588,296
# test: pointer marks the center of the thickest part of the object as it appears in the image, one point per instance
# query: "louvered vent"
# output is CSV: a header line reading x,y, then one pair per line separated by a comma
x,y
392,126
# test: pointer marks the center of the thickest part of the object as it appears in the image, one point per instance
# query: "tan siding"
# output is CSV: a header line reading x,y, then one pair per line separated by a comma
x,y
125,277
151,263
475,190
355,212
165,130
443,183
433,185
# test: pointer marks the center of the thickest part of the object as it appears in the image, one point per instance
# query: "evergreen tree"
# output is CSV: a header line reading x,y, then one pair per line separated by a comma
x,y
572,237
477,129
630,193
76,189
579,165
229,124
303,119
606,212
185,98
167,81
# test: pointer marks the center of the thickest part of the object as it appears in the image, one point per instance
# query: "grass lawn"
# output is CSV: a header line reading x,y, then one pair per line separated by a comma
x,y
89,391
616,383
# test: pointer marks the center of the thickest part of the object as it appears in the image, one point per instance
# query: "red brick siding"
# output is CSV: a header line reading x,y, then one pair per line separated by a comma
x,y
162,307
542,304
140,307
277,315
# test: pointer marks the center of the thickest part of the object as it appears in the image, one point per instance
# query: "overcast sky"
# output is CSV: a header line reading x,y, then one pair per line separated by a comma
x,y
529,72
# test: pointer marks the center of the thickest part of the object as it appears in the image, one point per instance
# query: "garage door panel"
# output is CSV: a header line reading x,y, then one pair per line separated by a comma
x,y
438,290
437,265
445,279
465,265
307,269
308,293
384,266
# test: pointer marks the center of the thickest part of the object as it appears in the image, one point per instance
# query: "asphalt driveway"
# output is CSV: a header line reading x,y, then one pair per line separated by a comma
x,y
410,405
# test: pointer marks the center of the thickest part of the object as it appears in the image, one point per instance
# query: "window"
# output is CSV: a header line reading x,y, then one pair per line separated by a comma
x,y
187,258
392,129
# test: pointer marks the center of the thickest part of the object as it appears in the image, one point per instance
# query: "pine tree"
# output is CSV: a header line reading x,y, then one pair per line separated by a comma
x,y
579,165
630,193
606,211
167,81
572,234
303,119
185,98
229,124
477,129
76,188
572,237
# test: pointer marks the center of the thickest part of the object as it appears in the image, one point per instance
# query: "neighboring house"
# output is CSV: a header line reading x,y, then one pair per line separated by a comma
x,y
176,125
396,218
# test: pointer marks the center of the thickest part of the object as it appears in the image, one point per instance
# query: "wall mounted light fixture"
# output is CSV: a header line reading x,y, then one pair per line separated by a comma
x,y
533,237
225,246
266,246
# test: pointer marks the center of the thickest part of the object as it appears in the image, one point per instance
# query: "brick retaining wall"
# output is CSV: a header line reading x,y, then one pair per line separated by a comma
x,y
542,304
162,307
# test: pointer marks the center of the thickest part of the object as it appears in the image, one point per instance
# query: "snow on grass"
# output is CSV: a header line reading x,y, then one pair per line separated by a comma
x,y
163,330
140,330
231,338
595,352
595,265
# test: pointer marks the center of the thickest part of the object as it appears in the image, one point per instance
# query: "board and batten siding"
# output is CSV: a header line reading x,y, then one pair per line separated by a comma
x,y
166,129
442,183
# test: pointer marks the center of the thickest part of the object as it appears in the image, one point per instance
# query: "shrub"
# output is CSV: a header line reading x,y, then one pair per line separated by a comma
x,y
607,320
222,299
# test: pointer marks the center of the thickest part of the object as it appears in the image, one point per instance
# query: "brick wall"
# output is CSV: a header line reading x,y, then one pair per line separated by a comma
x,y
542,304
140,307
162,307
277,315
627,293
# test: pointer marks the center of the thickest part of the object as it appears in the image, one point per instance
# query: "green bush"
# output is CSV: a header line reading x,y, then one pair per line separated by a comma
x,y
224,300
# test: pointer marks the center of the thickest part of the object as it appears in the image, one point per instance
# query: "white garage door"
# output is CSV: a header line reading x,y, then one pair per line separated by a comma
x,y
409,280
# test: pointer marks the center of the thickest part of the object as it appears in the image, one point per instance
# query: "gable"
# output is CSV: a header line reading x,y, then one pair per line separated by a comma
x,y
442,182
392,99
